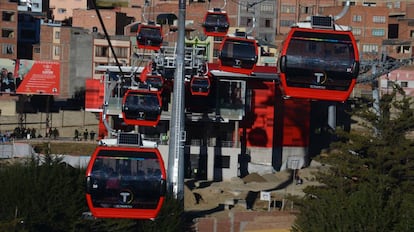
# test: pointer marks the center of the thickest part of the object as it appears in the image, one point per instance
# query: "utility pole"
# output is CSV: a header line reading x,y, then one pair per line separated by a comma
x,y
175,177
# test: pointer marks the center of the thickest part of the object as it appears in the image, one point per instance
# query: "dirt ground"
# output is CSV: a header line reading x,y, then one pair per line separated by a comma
x,y
244,193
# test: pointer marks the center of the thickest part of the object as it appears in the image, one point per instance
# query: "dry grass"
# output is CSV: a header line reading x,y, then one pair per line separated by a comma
x,y
67,148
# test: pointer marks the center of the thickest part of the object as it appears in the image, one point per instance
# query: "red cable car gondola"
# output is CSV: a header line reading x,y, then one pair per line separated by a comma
x,y
141,107
216,23
238,55
125,182
319,64
149,36
200,86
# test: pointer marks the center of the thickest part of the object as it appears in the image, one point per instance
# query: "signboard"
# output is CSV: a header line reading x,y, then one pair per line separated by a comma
x,y
30,77
39,77
265,196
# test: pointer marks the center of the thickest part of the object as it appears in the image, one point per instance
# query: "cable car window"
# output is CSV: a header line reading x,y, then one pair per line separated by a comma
x,y
126,179
239,49
155,81
150,33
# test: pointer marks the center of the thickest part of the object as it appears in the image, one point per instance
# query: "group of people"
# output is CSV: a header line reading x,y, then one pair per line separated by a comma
x,y
5,137
8,83
78,136
22,132
52,133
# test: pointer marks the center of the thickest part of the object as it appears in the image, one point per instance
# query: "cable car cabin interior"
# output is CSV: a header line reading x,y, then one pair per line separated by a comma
x,y
319,64
141,107
149,37
125,182
238,55
216,23
200,86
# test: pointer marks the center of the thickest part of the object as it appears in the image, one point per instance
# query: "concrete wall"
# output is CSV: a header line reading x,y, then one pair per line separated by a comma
x,y
7,107
65,121
260,156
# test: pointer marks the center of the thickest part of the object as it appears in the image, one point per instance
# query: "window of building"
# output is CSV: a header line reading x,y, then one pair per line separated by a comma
x,y
286,23
351,3
378,32
370,48
369,4
8,49
321,10
56,50
404,49
61,10
289,9
243,6
306,9
57,34
356,18
7,16
7,33
412,33
36,49
357,31
121,52
378,19
389,5
101,51
404,84
266,8
266,23
397,4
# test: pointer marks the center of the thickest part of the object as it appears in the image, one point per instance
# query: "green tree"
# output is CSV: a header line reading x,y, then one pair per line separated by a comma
x,y
369,183
41,195
44,194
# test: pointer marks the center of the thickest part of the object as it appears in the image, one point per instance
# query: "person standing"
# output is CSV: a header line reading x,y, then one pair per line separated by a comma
x,y
85,134
92,135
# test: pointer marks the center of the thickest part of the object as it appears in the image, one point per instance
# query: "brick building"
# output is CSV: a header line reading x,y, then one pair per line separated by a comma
x,y
8,22
72,47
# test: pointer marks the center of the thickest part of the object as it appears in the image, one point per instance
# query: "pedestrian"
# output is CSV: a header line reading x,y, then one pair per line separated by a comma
x,y
50,132
85,134
76,138
55,133
92,135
